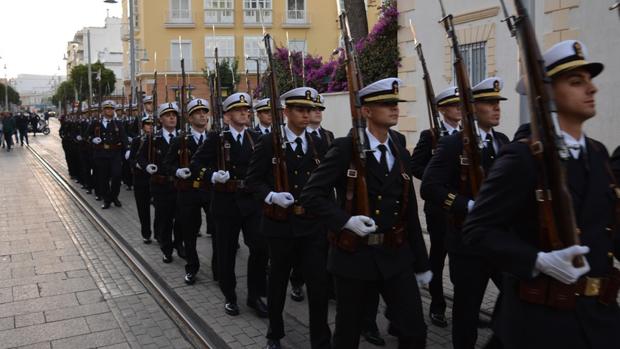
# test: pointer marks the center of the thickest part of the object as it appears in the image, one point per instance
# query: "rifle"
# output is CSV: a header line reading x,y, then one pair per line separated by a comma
x,y
247,83
357,168
471,163
154,130
278,138
183,151
558,225
99,97
290,62
165,90
223,154
437,131
140,103
615,6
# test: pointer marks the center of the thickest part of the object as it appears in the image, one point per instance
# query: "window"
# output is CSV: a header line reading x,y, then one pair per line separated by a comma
x,y
219,11
297,45
225,49
296,11
175,58
180,11
254,48
474,57
256,11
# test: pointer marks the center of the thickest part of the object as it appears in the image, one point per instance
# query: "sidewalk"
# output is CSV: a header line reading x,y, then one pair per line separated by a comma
x,y
59,277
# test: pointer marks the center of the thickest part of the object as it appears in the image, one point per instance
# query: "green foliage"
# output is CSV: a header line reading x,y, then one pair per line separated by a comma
x,y
65,92
79,78
13,95
227,70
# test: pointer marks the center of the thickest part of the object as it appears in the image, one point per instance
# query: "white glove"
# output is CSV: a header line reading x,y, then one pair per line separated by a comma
x,y
78,138
127,153
220,177
151,168
96,140
424,278
129,139
138,165
184,173
361,225
559,264
470,205
282,199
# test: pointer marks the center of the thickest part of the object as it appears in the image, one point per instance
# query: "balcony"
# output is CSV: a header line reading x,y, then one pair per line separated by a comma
x,y
296,19
255,18
180,19
222,18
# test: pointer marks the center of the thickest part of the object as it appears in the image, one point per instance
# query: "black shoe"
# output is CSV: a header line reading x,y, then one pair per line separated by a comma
x,y
374,337
89,191
128,188
97,198
117,203
273,344
83,187
190,278
147,241
484,323
199,234
167,259
297,294
231,309
105,205
259,306
438,319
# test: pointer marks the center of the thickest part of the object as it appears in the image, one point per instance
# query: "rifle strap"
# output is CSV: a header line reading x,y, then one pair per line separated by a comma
x,y
315,154
613,185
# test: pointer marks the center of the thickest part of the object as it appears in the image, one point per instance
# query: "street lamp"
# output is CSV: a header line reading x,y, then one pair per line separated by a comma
x,y
132,45
6,89
257,59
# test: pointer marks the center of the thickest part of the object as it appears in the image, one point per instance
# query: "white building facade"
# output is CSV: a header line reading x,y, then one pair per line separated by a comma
x,y
491,51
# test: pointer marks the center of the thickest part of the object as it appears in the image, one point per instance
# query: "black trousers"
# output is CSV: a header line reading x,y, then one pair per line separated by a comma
x,y
126,176
142,194
23,133
109,175
402,297
436,224
283,252
470,275
227,230
8,137
86,168
190,205
165,202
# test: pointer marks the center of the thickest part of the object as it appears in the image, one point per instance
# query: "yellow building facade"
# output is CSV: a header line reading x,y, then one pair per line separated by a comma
x,y
194,27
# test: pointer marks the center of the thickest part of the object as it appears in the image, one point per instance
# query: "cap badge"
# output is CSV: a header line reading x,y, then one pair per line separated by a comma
x,y
395,87
242,98
578,50
496,85
309,94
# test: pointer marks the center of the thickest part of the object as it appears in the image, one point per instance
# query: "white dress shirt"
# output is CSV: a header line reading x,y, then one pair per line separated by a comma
x,y
318,130
574,145
197,135
167,134
235,133
291,136
373,144
483,136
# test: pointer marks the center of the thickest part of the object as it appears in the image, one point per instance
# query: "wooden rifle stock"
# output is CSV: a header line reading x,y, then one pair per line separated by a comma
x,y
472,145
183,152
354,83
278,135
558,225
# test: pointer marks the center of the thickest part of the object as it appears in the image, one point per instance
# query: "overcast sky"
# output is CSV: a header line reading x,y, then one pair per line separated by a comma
x,y
34,33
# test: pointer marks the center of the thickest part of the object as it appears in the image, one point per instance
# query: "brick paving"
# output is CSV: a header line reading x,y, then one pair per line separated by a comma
x,y
244,331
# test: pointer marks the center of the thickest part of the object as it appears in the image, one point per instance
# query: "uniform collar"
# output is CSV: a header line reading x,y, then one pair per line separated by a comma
x,y
291,136
373,142
235,133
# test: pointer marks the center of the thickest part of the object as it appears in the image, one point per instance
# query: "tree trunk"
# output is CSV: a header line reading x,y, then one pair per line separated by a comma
x,y
358,22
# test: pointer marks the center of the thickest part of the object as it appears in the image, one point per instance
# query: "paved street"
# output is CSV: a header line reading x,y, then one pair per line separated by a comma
x,y
63,285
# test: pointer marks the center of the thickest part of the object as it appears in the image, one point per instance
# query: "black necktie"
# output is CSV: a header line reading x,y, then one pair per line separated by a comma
x,y
170,137
299,151
200,140
383,161
490,146
266,131
314,133
239,139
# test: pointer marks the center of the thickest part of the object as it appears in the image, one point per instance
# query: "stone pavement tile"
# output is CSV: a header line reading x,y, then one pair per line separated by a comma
x,y
6,295
23,292
91,340
59,267
87,297
101,322
7,323
77,311
40,345
67,286
38,304
22,272
29,319
44,332
116,346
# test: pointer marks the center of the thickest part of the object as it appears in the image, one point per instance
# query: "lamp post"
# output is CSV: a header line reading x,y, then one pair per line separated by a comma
x,y
132,46
6,90
257,59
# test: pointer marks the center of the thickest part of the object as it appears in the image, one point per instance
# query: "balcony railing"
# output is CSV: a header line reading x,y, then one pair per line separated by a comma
x,y
253,16
219,16
180,19
194,64
295,18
